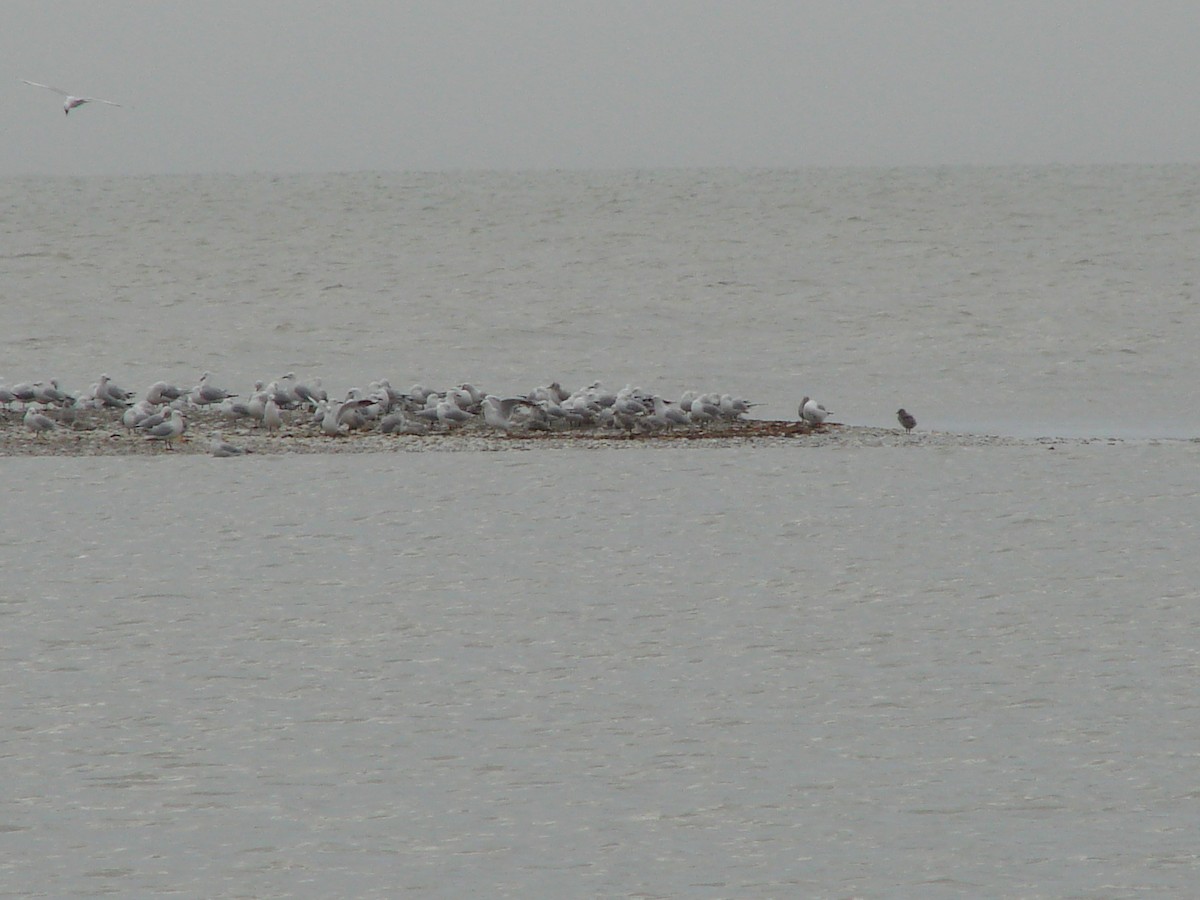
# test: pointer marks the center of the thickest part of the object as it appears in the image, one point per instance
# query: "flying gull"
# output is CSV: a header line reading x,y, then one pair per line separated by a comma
x,y
70,101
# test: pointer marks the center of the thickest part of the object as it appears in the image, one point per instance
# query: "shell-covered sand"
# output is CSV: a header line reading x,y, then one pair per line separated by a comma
x,y
100,433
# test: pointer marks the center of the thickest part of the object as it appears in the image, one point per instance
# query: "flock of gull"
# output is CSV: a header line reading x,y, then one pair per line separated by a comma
x,y
163,412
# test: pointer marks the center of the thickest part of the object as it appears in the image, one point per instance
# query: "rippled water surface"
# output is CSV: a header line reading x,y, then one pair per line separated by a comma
x,y
904,670
1036,301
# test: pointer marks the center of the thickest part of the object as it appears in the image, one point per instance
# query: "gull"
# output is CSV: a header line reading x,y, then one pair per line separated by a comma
x,y
70,101
378,401
313,393
450,413
577,409
497,412
38,423
161,393
734,407
813,412
596,393
553,392
475,394
419,392
627,402
110,395
204,394
253,409
218,447
429,412
907,420
169,430
703,410
464,399
340,418
50,394
23,392
668,415
514,412
394,397
152,420
271,417
399,423
138,413
283,394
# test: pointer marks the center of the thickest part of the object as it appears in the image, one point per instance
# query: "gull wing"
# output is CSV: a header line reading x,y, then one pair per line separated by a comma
x,y
51,87
48,87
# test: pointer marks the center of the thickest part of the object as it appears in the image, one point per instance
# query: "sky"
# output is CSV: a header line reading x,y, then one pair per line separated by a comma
x,y
304,86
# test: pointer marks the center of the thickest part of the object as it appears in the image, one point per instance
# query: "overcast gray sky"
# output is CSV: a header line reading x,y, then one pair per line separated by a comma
x,y
242,85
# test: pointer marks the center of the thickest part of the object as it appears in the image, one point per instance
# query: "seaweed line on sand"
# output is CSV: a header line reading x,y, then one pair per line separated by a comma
x,y
100,433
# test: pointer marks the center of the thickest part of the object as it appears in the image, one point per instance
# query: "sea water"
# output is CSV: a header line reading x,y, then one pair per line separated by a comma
x,y
902,670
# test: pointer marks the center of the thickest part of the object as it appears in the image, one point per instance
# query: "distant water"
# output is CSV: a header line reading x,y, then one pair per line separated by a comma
x,y
1031,301
881,671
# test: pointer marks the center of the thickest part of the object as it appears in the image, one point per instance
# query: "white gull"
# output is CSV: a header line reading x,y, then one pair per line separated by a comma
x,y
813,412
70,101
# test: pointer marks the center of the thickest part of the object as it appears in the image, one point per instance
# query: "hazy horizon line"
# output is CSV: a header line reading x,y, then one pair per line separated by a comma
x,y
531,170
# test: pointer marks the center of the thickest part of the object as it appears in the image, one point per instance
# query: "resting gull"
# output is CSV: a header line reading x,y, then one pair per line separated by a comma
x,y
450,413
50,394
108,394
204,394
399,423
220,448
161,393
813,412
907,420
138,413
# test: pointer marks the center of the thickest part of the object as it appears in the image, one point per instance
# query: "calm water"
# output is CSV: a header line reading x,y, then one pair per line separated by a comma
x,y
878,672
1032,301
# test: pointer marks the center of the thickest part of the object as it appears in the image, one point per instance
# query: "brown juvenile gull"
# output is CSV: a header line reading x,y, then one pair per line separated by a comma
x,y
907,421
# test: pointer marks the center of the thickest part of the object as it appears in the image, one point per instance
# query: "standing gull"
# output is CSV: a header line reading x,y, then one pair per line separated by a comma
x,y
70,101
907,421
169,431
272,420
38,422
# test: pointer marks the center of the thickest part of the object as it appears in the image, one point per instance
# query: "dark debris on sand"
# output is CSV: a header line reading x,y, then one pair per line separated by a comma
x,y
101,433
